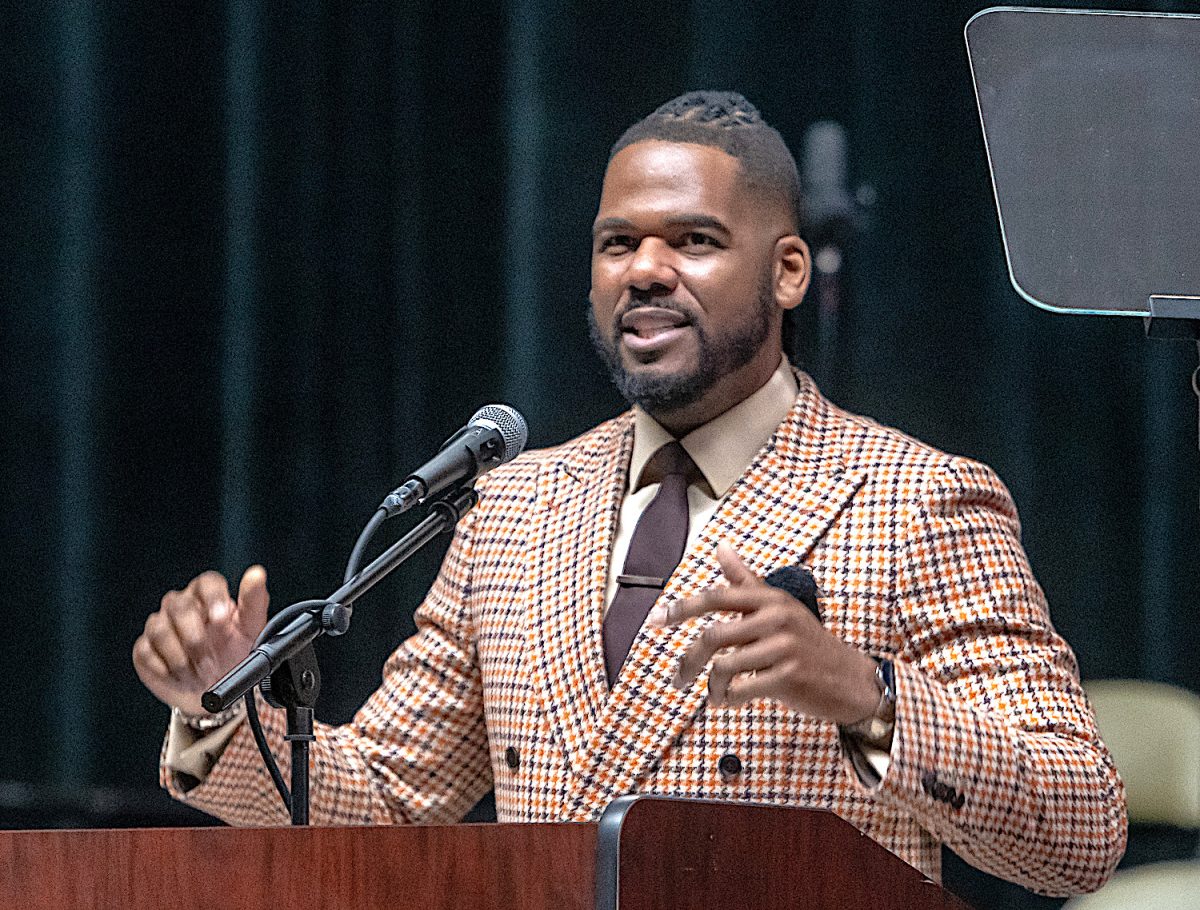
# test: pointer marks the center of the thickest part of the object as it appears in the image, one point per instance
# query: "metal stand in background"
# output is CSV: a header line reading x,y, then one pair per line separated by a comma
x,y
1176,317
1172,316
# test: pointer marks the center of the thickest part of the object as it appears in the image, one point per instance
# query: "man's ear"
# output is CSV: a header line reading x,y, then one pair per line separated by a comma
x,y
792,271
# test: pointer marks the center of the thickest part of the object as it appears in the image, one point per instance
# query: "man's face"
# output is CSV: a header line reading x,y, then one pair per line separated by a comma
x,y
683,308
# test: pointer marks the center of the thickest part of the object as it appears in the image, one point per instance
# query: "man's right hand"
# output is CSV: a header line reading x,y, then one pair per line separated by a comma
x,y
198,635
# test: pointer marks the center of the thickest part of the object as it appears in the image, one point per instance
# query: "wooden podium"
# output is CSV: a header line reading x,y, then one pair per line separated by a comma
x,y
646,852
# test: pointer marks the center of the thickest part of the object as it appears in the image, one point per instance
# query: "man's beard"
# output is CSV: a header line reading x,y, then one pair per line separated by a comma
x,y
717,357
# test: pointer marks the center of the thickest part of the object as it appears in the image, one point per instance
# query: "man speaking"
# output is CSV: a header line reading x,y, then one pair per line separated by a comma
x,y
602,623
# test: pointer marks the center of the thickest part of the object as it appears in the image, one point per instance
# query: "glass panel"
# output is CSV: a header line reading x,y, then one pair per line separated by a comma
x,y
1092,127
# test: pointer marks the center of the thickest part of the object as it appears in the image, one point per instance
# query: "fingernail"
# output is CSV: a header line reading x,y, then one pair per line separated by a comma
x,y
657,617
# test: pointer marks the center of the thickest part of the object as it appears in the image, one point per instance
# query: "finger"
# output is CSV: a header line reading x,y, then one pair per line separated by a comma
x,y
253,601
763,684
160,635
734,570
719,635
714,600
150,667
187,617
212,590
757,657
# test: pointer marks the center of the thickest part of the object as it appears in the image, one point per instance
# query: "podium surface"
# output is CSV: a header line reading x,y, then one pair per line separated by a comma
x,y
645,852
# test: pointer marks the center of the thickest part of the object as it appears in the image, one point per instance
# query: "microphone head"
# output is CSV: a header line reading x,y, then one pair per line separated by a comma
x,y
799,582
509,423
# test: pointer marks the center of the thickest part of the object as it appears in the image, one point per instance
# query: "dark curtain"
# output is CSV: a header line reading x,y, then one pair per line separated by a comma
x,y
259,259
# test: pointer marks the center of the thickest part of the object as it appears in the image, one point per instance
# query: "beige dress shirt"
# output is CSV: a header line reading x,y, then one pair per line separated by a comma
x,y
722,449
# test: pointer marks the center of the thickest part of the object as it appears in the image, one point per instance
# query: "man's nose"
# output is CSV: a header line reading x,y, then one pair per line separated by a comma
x,y
652,267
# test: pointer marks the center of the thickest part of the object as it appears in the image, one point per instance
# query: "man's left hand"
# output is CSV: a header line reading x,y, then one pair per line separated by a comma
x,y
774,648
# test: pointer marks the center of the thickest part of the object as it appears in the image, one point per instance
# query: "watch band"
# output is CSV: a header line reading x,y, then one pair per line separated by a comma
x,y
877,729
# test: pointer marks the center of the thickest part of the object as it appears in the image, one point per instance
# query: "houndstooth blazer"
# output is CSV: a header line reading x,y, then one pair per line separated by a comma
x,y
917,556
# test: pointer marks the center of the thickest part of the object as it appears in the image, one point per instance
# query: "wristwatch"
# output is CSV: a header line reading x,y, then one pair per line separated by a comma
x,y
206,723
876,730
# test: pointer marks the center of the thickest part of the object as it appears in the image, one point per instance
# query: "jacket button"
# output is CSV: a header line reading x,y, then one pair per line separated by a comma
x,y
730,765
928,781
512,758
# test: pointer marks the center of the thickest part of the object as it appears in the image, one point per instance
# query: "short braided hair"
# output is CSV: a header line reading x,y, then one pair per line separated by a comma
x,y
727,121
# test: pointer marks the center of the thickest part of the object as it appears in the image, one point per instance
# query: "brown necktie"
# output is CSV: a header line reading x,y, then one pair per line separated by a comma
x,y
654,551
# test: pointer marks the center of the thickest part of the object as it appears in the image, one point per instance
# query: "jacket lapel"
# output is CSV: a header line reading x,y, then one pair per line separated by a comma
x,y
579,498
773,516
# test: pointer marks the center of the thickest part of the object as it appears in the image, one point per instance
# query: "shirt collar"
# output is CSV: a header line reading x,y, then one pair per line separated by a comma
x,y
724,447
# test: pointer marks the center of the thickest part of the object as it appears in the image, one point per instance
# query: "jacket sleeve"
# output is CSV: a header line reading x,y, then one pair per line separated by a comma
x,y
415,752
995,749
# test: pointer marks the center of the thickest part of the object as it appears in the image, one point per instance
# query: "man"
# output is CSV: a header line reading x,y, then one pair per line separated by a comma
x,y
563,658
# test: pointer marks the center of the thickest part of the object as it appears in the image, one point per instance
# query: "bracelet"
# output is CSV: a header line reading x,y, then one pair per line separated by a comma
x,y
206,723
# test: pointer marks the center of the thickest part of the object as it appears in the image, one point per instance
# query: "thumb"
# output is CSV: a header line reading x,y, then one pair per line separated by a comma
x,y
253,601
736,571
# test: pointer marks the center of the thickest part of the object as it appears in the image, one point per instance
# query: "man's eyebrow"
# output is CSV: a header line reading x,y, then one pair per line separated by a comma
x,y
688,219
612,224
697,220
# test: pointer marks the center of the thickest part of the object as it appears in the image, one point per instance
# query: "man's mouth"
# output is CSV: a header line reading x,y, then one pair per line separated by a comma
x,y
648,329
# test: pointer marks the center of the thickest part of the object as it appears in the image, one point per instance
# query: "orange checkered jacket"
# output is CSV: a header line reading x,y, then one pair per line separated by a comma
x,y
917,556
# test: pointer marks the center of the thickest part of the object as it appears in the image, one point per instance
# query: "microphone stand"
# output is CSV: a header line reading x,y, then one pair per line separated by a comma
x,y
284,661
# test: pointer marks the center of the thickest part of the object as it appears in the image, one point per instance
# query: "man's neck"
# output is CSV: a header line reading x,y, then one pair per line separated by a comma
x,y
726,393
725,446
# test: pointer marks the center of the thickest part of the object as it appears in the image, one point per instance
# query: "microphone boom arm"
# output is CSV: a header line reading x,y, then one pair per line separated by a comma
x,y
283,662
332,615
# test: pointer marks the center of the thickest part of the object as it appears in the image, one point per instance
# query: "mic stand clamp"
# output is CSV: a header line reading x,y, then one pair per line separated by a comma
x,y
295,687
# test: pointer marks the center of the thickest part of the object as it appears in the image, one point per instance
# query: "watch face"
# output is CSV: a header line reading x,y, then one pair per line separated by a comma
x,y
887,676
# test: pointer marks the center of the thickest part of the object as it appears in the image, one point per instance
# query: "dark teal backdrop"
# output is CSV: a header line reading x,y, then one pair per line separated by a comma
x,y
259,258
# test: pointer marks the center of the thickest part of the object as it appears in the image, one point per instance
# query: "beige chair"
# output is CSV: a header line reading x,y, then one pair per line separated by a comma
x,y
1157,886
1153,731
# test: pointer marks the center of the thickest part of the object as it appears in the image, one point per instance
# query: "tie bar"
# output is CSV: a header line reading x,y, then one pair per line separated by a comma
x,y
641,581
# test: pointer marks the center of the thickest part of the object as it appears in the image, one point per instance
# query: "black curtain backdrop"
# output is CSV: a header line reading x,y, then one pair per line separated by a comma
x,y
259,259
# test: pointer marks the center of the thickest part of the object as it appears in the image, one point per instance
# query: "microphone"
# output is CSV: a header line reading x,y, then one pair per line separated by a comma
x,y
496,434
797,581
832,213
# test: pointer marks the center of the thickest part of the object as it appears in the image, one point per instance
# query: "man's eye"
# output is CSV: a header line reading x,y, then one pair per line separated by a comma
x,y
695,238
618,244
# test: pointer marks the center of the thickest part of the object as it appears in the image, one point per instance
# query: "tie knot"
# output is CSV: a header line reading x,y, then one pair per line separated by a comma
x,y
671,458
